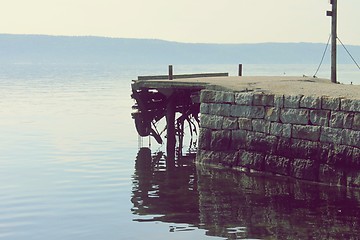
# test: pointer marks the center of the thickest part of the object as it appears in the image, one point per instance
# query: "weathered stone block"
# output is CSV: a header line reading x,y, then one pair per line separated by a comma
x,y
294,116
320,117
240,111
348,120
280,129
244,98
351,138
215,158
219,109
263,99
325,152
340,155
204,108
245,123
204,138
355,160
292,101
341,119
230,123
311,102
331,135
247,111
238,139
203,156
353,179
332,175
211,121
272,114
261,125
356,122
351,105
304,169
306,132
260,142
305,149
224,97
283,147
207,96
251,160
278,165
220,140
279,101
199,156
229,158
330,103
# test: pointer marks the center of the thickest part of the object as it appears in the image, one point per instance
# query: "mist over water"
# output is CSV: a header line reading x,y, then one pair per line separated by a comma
x,y
70,167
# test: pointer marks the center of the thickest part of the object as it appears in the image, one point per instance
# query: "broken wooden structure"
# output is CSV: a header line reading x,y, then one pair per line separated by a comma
x,y
157,97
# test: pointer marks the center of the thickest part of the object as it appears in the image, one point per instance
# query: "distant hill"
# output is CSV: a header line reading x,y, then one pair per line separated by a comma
x,y
61,49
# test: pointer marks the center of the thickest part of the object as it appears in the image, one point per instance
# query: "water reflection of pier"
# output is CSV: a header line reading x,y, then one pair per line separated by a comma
x,y
167,195
233,205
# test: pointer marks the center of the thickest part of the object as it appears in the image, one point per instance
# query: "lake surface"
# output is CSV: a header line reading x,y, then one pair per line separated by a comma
x,y
71,167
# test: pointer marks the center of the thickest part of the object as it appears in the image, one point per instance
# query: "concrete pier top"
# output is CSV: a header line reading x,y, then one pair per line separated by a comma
x,y
288,85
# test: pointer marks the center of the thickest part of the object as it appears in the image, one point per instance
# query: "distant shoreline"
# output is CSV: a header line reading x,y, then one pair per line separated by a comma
x,y
154,39
90,49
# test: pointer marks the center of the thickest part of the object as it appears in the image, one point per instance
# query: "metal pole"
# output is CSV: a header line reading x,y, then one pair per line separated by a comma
x,y
333,14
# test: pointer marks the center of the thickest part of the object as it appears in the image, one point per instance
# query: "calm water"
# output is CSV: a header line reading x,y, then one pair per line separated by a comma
x,y
71,168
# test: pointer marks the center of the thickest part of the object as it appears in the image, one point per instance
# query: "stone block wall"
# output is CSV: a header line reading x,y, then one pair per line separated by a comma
x,y
305,137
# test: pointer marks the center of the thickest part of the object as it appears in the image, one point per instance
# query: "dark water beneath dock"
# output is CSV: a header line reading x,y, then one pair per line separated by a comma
x,y
71,168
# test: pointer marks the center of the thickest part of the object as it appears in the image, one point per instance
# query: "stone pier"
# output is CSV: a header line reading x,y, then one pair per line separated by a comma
x,y
314,138
299,127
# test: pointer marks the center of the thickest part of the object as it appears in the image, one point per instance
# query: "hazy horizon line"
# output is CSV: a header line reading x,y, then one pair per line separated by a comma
x,y
158,39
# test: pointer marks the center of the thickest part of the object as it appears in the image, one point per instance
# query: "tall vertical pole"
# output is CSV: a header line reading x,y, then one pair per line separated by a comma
x,y
333,14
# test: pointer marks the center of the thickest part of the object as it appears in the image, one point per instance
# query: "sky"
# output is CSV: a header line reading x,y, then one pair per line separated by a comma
x,y
196,21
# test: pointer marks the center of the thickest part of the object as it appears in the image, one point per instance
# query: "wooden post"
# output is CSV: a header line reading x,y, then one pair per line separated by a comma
x,y
240,70
170,122
171,76
333,14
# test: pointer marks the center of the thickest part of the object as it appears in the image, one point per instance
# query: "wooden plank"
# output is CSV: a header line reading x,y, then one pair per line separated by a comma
x,y
170,134
171,74
240,70
180,76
